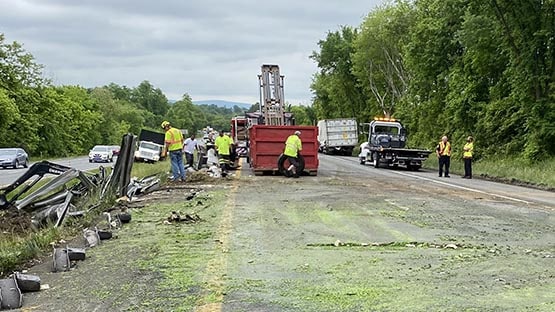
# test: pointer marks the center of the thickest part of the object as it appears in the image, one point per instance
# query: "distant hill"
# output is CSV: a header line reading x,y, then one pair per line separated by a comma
x,y
222,103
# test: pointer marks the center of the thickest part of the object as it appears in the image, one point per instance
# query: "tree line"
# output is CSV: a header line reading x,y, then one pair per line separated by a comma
x,y
448,67
50,120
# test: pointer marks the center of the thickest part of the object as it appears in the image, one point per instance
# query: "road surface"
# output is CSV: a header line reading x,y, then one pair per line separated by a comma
x,y
353,238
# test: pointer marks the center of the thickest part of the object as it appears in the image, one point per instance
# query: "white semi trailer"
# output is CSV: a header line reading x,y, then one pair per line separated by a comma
x,y
337,136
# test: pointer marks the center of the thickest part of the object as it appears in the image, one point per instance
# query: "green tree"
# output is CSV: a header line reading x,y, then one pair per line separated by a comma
x,y
335,88
20,83
378,61
184,114
152,100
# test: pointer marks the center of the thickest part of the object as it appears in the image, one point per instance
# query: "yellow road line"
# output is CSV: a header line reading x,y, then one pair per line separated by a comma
x,y
216,267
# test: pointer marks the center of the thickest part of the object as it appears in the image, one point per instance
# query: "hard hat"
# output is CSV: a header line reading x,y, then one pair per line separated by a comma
x,y
165,124
297,132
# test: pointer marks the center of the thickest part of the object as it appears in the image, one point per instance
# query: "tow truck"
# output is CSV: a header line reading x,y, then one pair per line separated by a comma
x,y
386,146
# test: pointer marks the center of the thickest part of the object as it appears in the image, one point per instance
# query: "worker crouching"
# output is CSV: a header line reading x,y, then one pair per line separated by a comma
x,y
293,145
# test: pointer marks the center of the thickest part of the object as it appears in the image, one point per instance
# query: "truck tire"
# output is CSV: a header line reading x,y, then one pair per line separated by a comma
x,y
413,167
362,160
283,164
376,160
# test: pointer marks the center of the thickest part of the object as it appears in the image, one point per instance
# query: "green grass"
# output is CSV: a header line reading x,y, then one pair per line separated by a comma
x,y
508,169
161,169
14,250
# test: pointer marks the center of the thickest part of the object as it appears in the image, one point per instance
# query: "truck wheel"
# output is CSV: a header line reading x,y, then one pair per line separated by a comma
x,y
362,160
413,167
283,164
376,160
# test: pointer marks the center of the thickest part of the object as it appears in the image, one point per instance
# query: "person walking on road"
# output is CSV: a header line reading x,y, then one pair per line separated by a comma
x,y
443,152
174,145
190,145
293,145
468,150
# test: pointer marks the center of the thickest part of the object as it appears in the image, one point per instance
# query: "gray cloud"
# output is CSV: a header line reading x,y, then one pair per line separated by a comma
x,y
210,49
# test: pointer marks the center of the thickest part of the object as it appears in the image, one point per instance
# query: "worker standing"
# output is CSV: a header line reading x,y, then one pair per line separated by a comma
x,y
174,145
468,151
189,148
223,145
293,145
443,152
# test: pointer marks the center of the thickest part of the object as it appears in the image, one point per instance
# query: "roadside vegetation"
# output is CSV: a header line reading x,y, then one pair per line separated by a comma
x,y
449,67
538,174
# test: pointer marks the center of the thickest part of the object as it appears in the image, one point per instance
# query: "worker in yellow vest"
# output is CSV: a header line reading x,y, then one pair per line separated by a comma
x,y
293,145
223,145
443,152
174,145
468,151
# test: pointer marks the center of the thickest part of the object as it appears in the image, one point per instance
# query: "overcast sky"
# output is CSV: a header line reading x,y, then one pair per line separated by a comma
x,y
209,49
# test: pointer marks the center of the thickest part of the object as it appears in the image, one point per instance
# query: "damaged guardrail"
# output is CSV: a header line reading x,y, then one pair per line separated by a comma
x,y
53,201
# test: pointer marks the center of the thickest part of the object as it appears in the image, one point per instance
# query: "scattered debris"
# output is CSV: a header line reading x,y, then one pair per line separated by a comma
x,y
76,254
142,186
92,237
176,217
60,260
104,235
339,243
124,217
10,294
27,282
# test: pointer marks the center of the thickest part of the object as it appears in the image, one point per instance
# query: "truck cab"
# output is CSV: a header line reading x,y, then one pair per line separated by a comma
x,y
387,146
387,133
149,152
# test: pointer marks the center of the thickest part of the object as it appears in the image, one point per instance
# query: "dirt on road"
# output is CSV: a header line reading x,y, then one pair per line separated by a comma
x,y
350,239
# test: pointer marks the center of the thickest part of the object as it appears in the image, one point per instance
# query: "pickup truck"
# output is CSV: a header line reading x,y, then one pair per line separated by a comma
x,y
386,146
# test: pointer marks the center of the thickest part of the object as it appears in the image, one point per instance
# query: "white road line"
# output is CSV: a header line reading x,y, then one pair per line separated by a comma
x,y
462,187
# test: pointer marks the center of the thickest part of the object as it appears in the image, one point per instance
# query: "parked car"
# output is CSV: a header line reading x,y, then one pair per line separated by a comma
x,y
13,157
101,153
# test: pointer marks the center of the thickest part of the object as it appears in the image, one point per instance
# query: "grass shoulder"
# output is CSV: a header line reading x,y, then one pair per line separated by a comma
x,y
508,170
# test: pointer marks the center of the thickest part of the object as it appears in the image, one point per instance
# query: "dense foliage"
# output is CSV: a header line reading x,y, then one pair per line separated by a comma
x,y
454,67
50,120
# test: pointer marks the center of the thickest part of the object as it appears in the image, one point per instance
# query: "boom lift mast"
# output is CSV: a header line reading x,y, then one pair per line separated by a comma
x,y
272,105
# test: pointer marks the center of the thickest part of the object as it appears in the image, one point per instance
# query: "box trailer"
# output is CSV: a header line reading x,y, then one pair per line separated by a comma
x,y
337,136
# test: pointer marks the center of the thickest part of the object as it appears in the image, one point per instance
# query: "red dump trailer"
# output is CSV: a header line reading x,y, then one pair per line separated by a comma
x,y
267,144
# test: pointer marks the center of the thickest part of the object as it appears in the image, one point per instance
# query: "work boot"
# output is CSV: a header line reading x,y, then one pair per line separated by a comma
x,y
288,173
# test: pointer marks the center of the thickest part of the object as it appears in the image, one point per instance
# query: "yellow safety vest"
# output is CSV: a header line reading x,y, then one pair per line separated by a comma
x,y
468,150
293,145
223,144
444,149
174,139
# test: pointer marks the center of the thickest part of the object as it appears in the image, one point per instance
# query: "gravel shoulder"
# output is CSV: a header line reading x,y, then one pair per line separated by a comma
x,y
350,239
